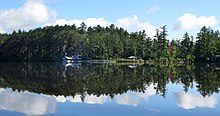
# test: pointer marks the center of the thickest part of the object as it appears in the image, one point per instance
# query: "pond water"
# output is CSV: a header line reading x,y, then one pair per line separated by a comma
x,y
109,89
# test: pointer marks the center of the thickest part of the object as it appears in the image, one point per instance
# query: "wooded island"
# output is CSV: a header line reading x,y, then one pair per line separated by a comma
x,y
52,43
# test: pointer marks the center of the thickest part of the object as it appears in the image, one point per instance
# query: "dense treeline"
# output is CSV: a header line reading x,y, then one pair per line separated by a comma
x,y
51,43
107,79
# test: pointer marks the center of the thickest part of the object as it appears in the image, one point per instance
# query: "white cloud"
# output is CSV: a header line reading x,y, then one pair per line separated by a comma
x,y
35,13
32,13
1,30
129,23
191,21
134,24
153,9
26,102
190,101
150,29
89,22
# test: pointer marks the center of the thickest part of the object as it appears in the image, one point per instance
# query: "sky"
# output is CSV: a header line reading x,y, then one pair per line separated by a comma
x,y
180,16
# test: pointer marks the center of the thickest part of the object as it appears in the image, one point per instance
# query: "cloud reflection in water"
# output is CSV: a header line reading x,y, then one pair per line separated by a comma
x,y
190,101
26,102
134,98
39,104
129,98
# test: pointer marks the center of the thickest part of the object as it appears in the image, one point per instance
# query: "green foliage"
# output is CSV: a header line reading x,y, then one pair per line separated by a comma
x,y
187,48
52,43
207,45
161,44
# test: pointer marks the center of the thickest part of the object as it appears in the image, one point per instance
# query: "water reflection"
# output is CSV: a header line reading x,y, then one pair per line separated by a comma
x,y
72,65
106,79
129,98
134,98
103,83
89,99
26,102
191,101
40,104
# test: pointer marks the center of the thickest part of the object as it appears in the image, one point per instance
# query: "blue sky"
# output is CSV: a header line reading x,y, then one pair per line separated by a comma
x,y
134,15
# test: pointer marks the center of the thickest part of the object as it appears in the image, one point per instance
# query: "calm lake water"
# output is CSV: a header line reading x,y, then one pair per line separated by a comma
x,y
109,89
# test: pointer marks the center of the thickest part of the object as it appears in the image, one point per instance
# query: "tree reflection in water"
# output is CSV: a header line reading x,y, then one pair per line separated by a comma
x,y
106,79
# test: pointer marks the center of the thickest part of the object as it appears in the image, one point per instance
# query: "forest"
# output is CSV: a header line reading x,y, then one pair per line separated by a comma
x,y
52,43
